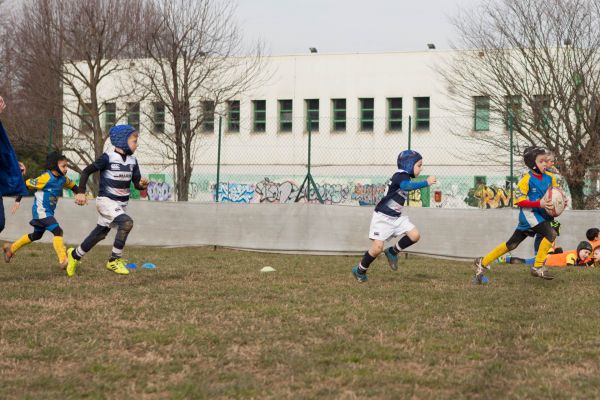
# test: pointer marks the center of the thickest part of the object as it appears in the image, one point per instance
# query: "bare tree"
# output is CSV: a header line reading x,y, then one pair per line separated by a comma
x,y
81,43
194,66
535,64
35,92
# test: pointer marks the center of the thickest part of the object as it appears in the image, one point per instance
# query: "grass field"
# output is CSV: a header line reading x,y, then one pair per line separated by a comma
x,y
208,324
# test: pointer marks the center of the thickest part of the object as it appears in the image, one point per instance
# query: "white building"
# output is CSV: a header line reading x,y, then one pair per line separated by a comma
x,y
362,108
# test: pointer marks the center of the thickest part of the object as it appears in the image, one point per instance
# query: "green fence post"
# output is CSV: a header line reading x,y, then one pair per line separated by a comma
x,y
308,176
510,130
409,146
218,161
308,180
409,131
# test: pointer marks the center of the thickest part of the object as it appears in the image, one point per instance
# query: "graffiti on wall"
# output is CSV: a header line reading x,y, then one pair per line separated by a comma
x,y
158,189
199,189
368,194
236,192
269,191
493,196
450,195
450,192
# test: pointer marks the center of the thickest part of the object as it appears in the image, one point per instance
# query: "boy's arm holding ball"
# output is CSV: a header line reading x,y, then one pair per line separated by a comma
x,y
547,205
431,180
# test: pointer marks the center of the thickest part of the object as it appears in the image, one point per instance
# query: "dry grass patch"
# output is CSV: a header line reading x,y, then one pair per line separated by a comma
x,y
208,324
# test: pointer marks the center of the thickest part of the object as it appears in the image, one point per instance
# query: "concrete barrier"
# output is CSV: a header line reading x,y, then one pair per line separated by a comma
x,y
305,228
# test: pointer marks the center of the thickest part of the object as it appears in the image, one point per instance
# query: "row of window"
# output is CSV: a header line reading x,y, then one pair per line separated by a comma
x,y
338,113
481,117
285,115
541,112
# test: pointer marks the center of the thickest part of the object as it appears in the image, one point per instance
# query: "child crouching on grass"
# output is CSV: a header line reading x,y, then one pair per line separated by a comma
x,y
388,221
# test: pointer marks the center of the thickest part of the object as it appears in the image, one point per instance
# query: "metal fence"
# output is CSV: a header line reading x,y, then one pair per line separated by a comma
x,y
344,161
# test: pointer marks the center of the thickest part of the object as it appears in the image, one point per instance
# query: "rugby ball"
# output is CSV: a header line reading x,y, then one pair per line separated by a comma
x,y
557,198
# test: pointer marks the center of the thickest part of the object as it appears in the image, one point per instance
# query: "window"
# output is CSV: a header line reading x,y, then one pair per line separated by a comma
x,y
339,114
367,110
85,118
394,114
285,115
208,116
482,113
422,113
260,115
541,112
110,115
312,115
594,179
133,115
513,111
158,117
233,116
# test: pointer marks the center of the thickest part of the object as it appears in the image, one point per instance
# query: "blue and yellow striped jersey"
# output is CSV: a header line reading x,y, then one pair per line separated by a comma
x,y
48,188
532,188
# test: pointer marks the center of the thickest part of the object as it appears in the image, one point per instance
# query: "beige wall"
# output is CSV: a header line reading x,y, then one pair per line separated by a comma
x,y
299,227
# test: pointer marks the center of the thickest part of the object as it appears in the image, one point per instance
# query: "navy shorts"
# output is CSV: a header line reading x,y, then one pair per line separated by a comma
x,y
44,224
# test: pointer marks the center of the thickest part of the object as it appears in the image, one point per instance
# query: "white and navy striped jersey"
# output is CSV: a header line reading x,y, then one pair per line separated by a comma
x,y
116,175
396,193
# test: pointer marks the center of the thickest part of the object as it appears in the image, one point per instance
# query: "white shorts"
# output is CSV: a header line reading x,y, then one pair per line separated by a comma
x,y
384,227
108,210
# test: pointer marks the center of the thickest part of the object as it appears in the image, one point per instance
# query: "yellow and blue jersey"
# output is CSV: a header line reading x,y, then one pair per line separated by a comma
x,y
530,187
48,188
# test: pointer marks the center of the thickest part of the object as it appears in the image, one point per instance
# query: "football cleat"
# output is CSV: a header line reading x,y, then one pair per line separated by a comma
x,y
7,253
117,266
392,259
503,259
480,270
359,277
541,272
72,263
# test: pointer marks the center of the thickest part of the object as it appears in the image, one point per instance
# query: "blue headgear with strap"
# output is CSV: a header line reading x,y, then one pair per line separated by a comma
x,y
119,135
407,160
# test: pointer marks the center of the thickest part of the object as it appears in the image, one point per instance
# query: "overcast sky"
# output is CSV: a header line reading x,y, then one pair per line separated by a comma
x,y
333,26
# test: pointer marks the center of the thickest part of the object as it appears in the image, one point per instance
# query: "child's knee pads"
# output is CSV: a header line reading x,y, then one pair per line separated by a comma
x,y
124,222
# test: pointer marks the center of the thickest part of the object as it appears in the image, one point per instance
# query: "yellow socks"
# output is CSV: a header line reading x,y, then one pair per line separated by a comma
x,y
57,243
23,241
492,255
542,253
59,248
